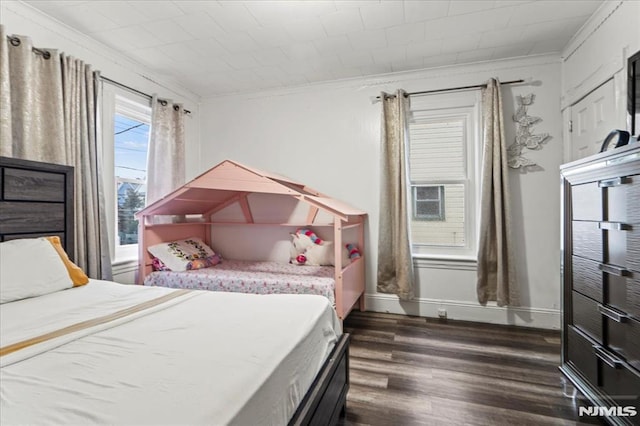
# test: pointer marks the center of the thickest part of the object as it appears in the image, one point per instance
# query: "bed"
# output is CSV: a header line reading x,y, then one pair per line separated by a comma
x,y
253,277
248,214
107,353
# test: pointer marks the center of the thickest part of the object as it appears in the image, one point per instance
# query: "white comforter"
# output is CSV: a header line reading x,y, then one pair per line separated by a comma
x,y
203,358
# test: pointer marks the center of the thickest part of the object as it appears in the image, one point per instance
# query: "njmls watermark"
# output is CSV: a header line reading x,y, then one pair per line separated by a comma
x,y
593,411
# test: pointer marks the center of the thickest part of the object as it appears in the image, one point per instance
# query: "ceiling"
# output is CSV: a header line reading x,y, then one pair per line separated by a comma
x,y
220,47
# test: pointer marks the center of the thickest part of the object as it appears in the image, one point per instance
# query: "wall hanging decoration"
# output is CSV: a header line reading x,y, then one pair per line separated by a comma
x,y
524,136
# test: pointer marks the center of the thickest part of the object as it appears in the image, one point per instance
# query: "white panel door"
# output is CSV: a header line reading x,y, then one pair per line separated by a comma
x,y
592,119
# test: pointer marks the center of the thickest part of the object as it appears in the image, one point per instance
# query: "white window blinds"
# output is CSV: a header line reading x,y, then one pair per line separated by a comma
x,y
437,149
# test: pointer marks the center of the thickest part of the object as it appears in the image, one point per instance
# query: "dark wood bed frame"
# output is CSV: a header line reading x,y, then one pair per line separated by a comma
x,y
36,199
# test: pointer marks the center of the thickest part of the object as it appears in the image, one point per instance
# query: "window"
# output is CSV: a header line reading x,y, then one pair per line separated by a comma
x,y
131,143
428,202
443,148
126,124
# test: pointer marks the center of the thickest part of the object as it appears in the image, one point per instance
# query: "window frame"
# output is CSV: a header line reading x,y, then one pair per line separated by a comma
x,y
137,107
440,216
440,106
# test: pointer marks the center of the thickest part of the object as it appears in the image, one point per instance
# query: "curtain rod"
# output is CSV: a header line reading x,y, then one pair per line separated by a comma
x,y
450,89
131,89
15,41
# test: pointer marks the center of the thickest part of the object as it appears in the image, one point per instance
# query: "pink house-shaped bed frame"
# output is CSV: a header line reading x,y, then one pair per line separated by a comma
x,y
230,183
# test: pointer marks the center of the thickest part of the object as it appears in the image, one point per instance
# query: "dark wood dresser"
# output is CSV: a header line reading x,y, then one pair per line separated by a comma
x,y
601,281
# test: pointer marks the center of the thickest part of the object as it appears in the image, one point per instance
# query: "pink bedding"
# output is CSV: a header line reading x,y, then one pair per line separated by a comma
x,y
252,277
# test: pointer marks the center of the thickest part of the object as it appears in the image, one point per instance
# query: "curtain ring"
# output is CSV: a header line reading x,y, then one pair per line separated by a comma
x,y
15,41
176,108
162,102
46,54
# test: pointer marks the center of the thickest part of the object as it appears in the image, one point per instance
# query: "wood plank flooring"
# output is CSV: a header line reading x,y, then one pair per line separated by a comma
x,y
418,371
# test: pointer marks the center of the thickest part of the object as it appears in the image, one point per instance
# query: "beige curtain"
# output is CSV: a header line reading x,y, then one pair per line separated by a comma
x,y
395,264
496,261
49,114
83,153
165,165
31,112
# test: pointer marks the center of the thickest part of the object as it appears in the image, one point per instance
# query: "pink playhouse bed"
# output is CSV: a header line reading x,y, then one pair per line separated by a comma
x,y
247,215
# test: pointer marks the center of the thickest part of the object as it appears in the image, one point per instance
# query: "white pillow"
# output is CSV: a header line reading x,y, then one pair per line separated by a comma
x,y
29,268
179,255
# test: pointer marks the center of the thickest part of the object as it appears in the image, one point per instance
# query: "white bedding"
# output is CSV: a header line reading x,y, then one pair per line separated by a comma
x,y
203,358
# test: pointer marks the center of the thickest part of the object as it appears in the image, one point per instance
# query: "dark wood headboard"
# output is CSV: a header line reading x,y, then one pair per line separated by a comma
x,y
36,199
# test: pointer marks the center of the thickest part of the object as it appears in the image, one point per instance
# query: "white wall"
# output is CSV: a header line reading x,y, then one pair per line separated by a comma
x,y
596,54
600,50
18,18
327,136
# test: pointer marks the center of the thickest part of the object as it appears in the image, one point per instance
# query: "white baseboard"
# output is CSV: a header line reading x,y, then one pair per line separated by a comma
x,y
466,311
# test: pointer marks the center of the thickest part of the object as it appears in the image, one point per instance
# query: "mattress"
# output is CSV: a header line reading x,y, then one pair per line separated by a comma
x,y
199,358
252,277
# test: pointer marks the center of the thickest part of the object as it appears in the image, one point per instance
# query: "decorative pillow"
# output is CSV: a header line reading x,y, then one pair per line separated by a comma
x,y
179,255
158,265
76,274
204,263
30,267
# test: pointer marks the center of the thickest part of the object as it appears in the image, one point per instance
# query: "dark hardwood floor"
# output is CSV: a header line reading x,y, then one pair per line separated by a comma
x,y
418,371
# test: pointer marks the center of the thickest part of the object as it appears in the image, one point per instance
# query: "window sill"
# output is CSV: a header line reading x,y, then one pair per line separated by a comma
x,y
464,263
125,255
124,261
